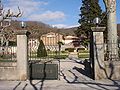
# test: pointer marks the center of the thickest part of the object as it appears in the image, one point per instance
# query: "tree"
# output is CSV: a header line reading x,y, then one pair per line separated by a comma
x,y
41,51
60,44
104,24
90,9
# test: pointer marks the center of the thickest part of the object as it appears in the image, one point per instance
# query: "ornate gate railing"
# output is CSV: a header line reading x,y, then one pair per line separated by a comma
x,y
43,52
8,49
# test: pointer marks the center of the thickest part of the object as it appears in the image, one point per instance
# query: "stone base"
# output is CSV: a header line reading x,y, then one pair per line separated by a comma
x,y
8,73
110,70
113,69
11,73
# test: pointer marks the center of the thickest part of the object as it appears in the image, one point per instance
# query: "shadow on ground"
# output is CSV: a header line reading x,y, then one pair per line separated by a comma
x,y
87,71
71,83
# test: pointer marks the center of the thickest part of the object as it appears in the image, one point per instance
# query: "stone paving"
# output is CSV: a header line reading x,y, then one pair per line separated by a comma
x,y
70,79
59,85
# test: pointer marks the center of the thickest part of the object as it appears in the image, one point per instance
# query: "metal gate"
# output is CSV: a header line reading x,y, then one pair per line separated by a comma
x,y
43,55
8,48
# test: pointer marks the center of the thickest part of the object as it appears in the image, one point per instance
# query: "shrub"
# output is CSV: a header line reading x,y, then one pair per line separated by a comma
x,y
60,44
12,43
69,49
63,51
83,55
48,49
41,51
58,56
80,49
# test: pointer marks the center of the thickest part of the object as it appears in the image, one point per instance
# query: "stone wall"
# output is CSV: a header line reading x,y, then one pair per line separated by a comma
x,y
18,70
113,69
8,73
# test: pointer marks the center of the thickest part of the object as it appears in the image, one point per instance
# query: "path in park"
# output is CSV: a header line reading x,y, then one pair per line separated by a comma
x,y
74,69
71,79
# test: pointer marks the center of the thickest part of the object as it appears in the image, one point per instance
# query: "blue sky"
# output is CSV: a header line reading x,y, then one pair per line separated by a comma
x,y
59,13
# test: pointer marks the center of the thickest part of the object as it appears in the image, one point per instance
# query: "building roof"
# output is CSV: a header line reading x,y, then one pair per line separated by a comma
x,y
51,34
70,37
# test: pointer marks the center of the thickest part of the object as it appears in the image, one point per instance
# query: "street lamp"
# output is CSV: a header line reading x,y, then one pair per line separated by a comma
x,y
97,21
22,24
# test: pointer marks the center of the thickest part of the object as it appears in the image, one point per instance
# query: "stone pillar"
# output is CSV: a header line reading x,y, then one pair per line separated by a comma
x,y
22,60
98,52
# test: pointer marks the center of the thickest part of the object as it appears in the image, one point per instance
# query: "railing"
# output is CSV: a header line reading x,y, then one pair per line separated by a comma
x,y
8,56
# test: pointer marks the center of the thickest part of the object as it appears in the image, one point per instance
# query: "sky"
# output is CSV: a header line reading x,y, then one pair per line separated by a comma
x,y
57,13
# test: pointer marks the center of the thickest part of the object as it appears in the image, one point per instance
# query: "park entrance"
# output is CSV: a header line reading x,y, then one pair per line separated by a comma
x,y
50,58
46,54
43,55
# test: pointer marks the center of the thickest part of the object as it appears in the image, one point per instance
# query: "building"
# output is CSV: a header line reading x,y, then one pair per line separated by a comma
x,y
71,39
51,40
33,44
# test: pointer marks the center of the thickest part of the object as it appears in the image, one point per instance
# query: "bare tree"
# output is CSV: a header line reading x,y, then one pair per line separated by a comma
x,y
112,29
5,21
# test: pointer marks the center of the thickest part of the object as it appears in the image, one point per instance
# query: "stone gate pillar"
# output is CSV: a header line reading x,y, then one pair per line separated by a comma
x,y
97,52
22,61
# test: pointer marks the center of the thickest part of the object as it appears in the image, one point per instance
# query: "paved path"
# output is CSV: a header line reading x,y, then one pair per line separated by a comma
x,y
73,70
70,79
73,55
59,85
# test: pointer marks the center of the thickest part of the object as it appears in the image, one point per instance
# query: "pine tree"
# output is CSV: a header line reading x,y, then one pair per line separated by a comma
x,y
90,9
41,51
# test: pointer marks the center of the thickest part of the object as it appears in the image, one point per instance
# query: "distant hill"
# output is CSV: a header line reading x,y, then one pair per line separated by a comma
x,y
68,31
39,28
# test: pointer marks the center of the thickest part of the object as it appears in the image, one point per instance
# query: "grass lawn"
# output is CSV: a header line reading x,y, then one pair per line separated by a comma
x,y
83,55
62,54
8,60
58,56
52,54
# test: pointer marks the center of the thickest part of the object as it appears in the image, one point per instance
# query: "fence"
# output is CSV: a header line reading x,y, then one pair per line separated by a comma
x,y
8,53
46,45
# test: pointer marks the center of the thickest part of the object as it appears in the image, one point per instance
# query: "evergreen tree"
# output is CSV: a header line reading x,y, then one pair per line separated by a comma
x,y
41,51
90,9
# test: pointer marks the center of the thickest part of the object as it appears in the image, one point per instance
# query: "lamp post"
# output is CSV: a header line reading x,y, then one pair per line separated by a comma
x,y
96,21
22,24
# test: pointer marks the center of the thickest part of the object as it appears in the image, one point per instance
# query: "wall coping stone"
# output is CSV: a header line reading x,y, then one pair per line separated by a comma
x,y
98,29
22,32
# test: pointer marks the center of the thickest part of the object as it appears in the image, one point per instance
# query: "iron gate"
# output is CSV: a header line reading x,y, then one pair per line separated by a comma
x,y
8,49
43,53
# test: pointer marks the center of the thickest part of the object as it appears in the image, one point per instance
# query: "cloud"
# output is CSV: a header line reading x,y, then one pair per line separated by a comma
x,y
60,25
73,26
48,16
64,26
27,6
32,10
